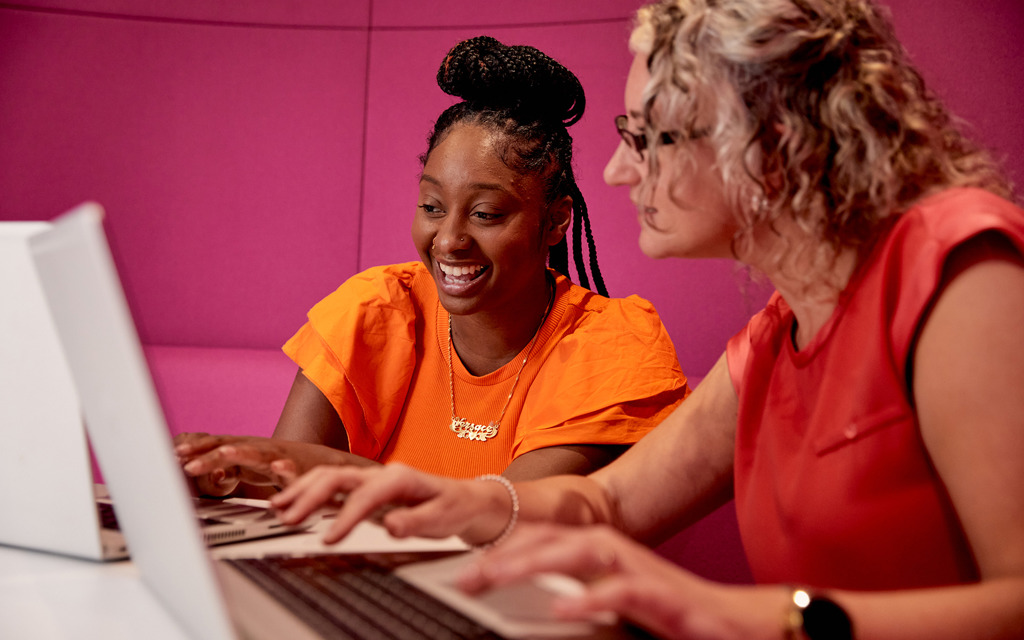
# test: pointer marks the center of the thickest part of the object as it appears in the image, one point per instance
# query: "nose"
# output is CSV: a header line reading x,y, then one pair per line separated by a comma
x,y
622,168
451,235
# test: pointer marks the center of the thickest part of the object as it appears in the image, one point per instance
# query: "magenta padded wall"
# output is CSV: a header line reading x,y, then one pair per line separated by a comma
x,y
253,155
227,153
970,54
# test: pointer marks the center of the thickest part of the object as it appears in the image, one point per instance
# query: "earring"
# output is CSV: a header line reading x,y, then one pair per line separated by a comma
x,y
758,203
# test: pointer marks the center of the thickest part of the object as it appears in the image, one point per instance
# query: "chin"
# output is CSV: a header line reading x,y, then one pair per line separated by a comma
x,y
656,248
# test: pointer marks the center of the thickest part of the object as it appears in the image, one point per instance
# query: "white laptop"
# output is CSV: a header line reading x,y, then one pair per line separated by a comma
x,y
57,507
357,595
45,455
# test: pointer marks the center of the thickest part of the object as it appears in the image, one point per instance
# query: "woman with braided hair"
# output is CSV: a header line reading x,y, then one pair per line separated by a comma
x,y
868,423
482,358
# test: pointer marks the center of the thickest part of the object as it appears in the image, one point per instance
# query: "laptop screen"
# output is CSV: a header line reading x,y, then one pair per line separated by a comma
x,y
124,419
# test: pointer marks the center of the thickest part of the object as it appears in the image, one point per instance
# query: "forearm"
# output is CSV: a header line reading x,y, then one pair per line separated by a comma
x,y
680,471
308,416
989,610
675,475
567,499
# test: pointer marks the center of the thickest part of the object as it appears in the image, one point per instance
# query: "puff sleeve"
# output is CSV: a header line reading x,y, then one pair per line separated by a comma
x,y
358,348
611,378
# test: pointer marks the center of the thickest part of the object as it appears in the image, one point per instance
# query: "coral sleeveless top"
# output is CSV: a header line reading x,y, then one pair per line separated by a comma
x,y
833,484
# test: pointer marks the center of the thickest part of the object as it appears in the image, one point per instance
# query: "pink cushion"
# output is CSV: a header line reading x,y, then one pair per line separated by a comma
x,y
237,391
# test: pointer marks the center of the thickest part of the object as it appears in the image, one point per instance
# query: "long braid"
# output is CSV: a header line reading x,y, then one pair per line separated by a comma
x,y
581,214
577,247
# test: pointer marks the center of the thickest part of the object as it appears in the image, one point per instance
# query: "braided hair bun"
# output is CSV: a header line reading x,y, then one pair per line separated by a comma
x,y
520,78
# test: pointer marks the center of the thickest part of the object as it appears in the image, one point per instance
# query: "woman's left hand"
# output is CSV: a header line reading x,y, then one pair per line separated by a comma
x,y
630,580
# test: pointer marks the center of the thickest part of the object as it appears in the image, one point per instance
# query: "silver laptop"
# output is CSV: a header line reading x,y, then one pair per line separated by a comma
x,y
360,596
45,453
57,506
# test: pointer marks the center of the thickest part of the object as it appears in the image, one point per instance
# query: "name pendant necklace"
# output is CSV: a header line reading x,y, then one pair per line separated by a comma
x,y
462,427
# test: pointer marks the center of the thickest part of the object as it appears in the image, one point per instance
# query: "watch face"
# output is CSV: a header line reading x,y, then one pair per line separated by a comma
x,y
826,620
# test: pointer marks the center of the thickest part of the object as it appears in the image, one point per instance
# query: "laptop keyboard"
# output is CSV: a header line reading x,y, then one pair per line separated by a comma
x,y
353,597
108,519
224,513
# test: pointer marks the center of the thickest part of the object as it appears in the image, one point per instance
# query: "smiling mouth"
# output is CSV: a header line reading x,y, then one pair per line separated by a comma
x,y
646,215
461,274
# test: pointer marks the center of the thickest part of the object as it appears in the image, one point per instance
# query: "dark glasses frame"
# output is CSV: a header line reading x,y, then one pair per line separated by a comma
x,y
638,141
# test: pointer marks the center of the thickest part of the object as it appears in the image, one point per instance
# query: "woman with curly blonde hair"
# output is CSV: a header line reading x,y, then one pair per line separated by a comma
x,y
868,422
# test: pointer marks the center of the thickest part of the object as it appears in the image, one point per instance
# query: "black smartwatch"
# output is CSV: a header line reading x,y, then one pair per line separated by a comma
x,y
816,617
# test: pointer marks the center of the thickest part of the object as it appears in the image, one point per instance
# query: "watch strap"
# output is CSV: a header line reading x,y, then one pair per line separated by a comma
x,y
813,616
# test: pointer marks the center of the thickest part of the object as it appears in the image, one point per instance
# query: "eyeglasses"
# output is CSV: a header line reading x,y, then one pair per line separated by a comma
x,y
638,141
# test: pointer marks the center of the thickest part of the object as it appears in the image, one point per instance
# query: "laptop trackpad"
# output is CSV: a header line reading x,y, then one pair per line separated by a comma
x,y
521,610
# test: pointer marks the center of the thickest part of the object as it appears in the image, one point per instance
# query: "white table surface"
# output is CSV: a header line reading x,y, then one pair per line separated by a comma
x,y
51,597
47,596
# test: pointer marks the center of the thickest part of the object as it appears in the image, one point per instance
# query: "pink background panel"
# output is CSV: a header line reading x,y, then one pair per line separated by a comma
x,y
304,14
472,13
220,153
226,139
970,54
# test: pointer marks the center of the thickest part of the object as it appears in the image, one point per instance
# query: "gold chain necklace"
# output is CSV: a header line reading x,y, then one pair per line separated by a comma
x,y
470,430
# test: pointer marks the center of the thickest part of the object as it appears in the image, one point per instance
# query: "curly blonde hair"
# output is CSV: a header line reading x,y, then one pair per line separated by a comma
x,y
815,112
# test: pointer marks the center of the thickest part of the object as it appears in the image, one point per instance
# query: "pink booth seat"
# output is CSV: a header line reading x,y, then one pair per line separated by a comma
x,y
216,390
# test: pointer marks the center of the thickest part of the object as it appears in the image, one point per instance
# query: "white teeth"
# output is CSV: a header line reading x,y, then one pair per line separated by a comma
x,y
460,271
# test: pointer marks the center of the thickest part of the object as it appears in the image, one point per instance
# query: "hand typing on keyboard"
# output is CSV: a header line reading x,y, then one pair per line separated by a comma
x,y
406,502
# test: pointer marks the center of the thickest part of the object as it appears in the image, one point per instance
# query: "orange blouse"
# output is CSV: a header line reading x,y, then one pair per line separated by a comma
x,y
602,371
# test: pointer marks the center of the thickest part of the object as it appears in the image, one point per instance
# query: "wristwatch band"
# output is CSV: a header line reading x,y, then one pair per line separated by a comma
x,y
815,617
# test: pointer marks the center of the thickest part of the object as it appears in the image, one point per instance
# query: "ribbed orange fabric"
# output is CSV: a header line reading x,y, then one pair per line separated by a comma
x,y
603,371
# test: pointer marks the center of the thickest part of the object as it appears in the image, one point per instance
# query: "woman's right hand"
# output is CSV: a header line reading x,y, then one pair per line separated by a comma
x,y
404,501
217,464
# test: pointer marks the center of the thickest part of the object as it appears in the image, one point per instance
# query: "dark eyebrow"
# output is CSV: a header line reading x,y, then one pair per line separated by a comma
x,y
479,186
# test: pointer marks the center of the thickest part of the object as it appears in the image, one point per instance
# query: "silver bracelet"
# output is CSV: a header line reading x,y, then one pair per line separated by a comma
x,y
503,481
